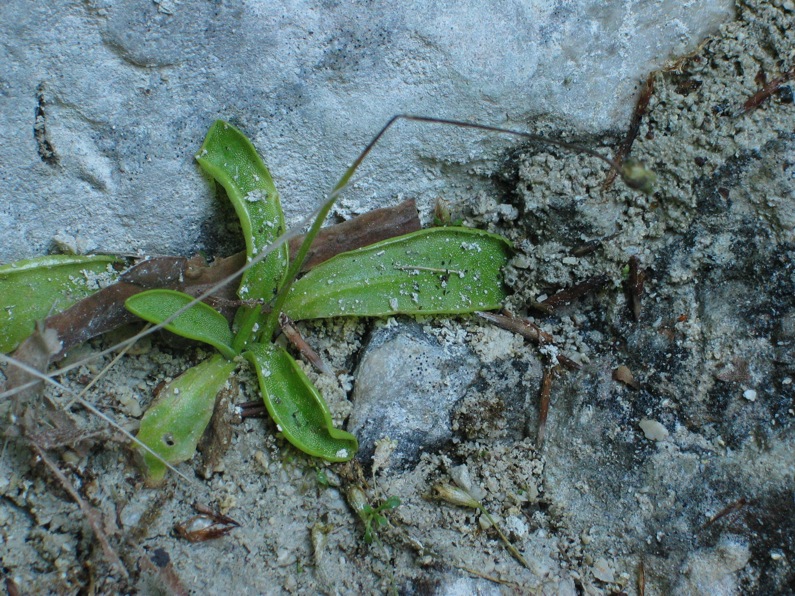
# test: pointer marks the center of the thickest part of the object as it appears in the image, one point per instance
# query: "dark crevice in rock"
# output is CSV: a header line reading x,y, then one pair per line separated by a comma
x,y
44,147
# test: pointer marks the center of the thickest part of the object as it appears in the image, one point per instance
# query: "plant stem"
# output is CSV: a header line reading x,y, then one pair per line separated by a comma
x,y
511,548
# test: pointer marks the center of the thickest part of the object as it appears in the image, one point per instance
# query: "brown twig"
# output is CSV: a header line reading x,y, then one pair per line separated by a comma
x,y
528,330
766,92
568,295
641,579
543,406
523,327
294,336
634,286
91,514
540,307
252,409
590,246
730,508
634,126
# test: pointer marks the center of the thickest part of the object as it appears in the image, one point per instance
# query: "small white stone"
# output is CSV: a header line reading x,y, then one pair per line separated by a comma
x,y
602,571
653,430
749,394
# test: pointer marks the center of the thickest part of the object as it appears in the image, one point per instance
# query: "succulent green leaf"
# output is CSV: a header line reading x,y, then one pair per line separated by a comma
x,y
435,271
176,420
229,157
33,289
200,322
296,405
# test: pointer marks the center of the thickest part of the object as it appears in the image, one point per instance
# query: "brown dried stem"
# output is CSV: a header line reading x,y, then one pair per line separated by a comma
x,y
543,406
766,92
528,330
634,126
569,295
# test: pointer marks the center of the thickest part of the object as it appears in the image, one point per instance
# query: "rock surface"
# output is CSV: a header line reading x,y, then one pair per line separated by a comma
x,y
104,103
406,387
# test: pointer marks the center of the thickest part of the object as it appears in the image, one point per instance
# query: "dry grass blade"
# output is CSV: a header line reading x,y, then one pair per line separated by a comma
x,y
91,408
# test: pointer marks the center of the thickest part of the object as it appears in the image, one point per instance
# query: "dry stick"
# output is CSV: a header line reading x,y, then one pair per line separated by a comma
x,y
576,291
730,508
527,330
543,407
591,246
522,327
634,126
766,92
88,510
293,335
641,579
252,409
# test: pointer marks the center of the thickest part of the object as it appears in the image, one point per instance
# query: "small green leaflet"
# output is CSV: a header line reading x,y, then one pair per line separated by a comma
x,y
200,322
297,407
176,420
229,157
33,289
435,271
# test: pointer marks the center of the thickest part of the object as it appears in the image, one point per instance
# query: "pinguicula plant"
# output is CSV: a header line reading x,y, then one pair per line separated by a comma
x,y
433,271
444,270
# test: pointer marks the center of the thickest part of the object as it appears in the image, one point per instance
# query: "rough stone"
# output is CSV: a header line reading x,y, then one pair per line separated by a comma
x,y
407,384
103,103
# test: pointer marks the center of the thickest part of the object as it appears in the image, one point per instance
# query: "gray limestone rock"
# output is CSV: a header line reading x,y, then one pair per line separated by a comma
x,y
407,385
103,103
